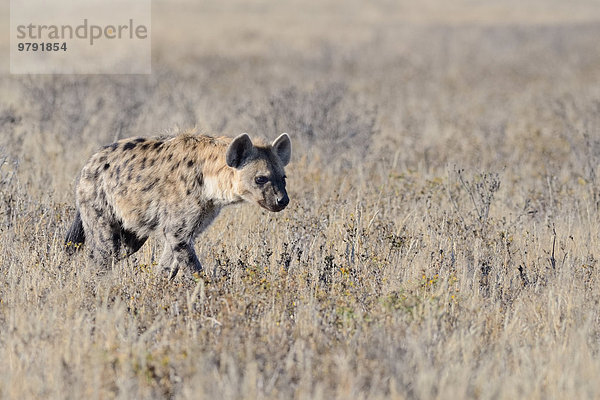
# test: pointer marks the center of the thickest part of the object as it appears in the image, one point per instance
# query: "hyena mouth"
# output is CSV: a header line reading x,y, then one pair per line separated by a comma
x,y
272,207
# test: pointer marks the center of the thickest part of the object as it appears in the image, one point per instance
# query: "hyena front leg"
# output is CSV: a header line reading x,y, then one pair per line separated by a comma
x,y
177,254
166,260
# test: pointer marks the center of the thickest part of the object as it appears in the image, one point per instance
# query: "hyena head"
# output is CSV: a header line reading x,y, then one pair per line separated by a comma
x,y
261,177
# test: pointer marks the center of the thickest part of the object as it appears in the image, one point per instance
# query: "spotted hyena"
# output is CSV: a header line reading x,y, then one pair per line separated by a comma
x,y
173,187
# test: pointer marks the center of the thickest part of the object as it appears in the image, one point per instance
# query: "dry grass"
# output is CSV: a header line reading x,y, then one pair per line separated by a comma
x,y
443,235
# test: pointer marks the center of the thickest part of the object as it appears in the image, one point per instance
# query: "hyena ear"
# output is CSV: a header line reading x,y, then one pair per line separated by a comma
x,y
282,146
239,150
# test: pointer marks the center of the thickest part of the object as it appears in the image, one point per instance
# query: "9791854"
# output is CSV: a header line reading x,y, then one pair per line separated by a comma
x,y
42,46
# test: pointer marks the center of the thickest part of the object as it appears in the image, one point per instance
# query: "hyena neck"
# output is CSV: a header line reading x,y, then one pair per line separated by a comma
x,y
221,188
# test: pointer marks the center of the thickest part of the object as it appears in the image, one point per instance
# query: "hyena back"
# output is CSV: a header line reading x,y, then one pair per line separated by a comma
x,y
174,187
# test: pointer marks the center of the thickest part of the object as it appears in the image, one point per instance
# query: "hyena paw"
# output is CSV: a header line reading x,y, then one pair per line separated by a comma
x,y
173,272
191,270
168,271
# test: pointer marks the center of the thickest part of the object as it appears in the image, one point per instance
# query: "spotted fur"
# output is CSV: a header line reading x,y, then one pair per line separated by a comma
x,y
173,187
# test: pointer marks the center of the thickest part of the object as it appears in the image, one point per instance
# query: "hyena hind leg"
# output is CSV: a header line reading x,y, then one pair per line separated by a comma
x,y
103,239
177,255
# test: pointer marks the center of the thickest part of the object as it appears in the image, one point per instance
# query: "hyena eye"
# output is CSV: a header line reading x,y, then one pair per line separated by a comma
x,y
261,180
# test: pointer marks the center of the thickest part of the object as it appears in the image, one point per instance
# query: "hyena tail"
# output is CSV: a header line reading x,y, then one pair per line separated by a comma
x,y
75,235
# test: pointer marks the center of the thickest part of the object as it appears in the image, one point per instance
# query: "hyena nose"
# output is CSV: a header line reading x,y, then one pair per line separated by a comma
x,y
283,201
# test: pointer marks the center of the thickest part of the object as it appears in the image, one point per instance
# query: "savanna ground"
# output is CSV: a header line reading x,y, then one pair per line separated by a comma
x,y
443,235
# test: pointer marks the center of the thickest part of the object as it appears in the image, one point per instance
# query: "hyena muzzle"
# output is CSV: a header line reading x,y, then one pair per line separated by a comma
x,y
173,187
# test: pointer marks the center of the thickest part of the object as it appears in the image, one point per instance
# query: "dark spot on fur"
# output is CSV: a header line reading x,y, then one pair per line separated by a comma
x,y
118,171
200,179
112,146
106,166
176,165
140,140
188,192
182,178
169,157
150,185
143,163
190,163
133,156
128,145
152,162
150,223
180,246
137,178
157,145
145,146
183,225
